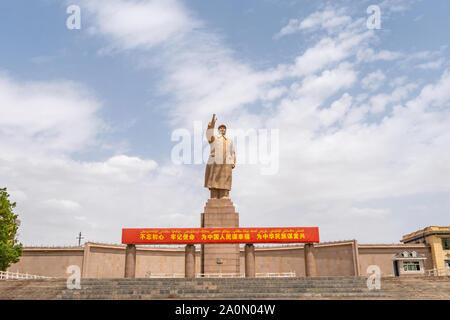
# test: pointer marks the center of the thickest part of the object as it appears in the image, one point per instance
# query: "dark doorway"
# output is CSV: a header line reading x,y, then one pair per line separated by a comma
x,y
396,268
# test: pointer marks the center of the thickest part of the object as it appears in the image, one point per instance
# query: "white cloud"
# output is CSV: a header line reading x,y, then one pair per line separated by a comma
x,y
398,81
140,24
373,80
330,19
202,74
369,55
336,111
42,124
395,6
292,27
122,167
62,204
357,161
329,82
431,65
433,95
327,19
369,212
274,93
329,51
379,102
17,195
59,116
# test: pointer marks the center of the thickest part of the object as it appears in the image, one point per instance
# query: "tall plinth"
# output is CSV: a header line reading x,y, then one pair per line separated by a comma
x,y
220,258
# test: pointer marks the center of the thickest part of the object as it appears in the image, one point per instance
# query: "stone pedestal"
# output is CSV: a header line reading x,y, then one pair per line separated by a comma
x,y
130,261
220,258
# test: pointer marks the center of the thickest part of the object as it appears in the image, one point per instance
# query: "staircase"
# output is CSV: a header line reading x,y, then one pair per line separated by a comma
x,y
421,288
228,289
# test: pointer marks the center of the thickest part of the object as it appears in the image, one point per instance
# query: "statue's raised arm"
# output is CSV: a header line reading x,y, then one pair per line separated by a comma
x,y
210,130
212,124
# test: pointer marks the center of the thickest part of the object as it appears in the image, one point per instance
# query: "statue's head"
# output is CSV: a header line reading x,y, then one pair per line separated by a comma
x,y
222,129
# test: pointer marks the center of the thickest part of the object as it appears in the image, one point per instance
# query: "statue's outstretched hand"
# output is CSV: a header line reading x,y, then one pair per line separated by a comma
x,y
212,124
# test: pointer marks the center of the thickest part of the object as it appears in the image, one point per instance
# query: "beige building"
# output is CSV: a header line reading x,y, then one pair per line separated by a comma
x,y
421,252
438,239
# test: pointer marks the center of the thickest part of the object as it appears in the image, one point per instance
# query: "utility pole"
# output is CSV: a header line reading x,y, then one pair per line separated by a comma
x,y
79,239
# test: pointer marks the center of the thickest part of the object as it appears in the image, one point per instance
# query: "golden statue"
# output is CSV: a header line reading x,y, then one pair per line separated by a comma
x,y
221,161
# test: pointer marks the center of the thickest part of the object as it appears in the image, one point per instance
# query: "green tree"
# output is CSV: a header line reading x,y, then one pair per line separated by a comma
x,y
10,248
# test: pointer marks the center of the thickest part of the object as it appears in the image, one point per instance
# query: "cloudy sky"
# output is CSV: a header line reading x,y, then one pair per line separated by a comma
x,y
89,118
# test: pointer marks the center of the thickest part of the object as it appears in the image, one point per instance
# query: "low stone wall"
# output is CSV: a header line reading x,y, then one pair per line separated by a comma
x,y
345,258
50,262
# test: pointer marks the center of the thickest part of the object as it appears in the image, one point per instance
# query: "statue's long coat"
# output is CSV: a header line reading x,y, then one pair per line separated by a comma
x,y
221,159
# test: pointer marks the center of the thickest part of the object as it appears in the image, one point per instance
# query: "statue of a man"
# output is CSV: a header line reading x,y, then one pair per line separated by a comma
x,y
221,161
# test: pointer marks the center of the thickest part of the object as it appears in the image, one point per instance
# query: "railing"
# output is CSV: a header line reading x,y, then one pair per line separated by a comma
x,y
222,275
219,275
164,275
6,275
438,272
239,275
276,275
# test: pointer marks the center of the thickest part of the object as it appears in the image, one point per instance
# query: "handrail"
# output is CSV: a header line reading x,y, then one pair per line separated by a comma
x,y
219,275
276,275
7,275
239,275
438,272
164,275
222,275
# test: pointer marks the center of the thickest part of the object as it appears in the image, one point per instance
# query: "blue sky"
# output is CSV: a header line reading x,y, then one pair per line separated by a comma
x,y
88,115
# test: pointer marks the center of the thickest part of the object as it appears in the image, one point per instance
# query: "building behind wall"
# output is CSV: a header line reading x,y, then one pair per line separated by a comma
x,y
438,239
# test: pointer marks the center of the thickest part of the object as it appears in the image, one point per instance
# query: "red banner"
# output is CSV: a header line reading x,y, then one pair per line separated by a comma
x,y
220,235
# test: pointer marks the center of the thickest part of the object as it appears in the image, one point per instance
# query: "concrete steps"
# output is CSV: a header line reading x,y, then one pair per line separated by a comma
x,y
419,288
31,289
229,289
